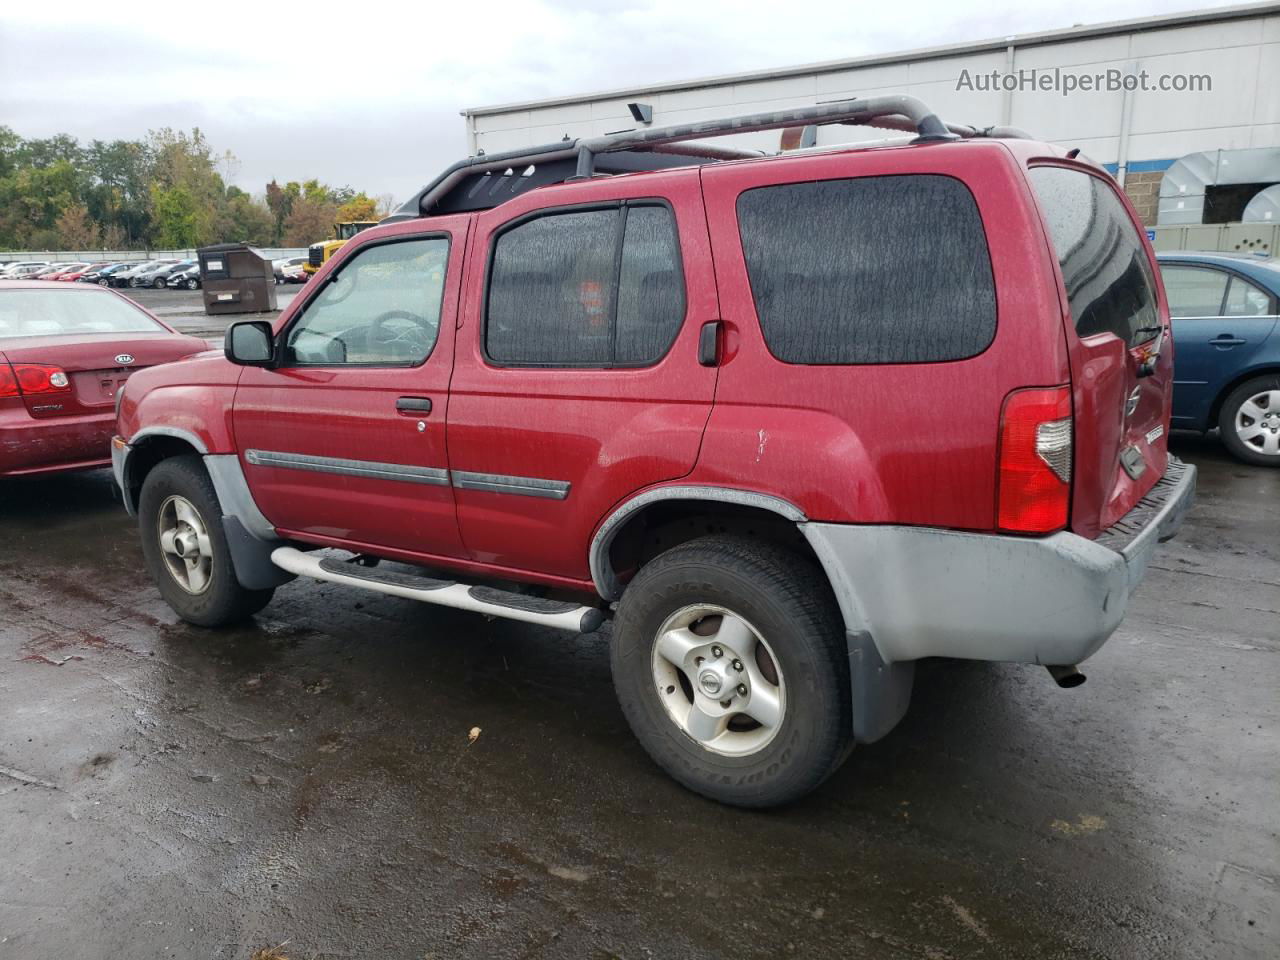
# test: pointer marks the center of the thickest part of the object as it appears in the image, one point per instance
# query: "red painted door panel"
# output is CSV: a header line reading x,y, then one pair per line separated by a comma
x,y
328,451
542,453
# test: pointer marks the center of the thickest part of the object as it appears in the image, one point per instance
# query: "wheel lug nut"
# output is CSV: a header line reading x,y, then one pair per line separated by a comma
x,y
717,652
737,665
742,689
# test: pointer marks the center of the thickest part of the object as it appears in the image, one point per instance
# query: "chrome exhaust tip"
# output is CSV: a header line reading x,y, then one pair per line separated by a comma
x,y
1067,676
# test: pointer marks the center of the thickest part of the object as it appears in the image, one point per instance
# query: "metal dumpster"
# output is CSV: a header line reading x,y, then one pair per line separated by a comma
x,y
236,278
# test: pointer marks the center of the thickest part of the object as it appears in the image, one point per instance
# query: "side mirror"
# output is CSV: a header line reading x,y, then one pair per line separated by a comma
x,y
250,344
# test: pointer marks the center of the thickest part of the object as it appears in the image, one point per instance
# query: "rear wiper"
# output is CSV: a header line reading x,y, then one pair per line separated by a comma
x,y
1148,366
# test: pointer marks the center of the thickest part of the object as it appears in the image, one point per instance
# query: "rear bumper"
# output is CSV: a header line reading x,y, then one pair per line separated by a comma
x,y
30,446
943,593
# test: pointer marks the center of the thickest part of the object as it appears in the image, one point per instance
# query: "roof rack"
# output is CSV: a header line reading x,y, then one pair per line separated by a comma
x,y
487,180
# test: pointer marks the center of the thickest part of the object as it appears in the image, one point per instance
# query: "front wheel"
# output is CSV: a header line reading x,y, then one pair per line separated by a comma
x,y
158,283
185,548
1250,421
192,283
730,665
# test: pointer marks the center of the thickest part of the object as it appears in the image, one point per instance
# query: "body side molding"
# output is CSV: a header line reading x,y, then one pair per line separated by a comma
x,y
435,476
501,483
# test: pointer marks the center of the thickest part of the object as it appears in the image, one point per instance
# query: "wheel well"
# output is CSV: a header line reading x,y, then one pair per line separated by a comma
x,y
146,454
668,523
1225,392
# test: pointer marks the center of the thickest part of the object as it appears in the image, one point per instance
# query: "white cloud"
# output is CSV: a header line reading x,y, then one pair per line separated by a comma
x,y
368,92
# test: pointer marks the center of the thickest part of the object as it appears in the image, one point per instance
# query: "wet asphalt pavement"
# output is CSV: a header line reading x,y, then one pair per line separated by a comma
x,y
184,309
167,791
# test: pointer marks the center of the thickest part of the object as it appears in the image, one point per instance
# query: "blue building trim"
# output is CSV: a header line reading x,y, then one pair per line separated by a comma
x,y
1142,166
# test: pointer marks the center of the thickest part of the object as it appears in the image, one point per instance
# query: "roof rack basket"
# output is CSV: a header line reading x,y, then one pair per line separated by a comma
x,y
471,184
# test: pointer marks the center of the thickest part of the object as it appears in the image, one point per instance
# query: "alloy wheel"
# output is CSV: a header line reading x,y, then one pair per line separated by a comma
x,y
718,680
185,544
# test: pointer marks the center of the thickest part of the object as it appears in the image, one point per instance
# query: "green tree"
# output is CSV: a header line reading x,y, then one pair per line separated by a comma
x,y
164,190
245,219
280,202
120,193
177,218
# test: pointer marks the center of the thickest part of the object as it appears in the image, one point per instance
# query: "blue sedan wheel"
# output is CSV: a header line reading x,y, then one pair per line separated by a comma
x,y
1250,421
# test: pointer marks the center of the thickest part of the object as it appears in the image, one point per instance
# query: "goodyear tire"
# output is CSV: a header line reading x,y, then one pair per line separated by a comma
x,y
730,666
185,549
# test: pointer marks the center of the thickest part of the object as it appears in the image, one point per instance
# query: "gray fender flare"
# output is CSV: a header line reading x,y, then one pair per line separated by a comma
x,y
880,691
121,457
602,575
249,534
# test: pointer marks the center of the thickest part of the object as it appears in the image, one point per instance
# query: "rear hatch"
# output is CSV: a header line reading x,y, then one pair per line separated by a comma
x,y
1117,329
94,366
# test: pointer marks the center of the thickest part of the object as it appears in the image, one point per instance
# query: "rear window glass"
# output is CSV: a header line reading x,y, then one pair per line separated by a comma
x,y
888,269
1108,277
51,313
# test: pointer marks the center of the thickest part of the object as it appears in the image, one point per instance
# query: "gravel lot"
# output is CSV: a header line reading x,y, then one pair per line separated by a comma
x,y
169,791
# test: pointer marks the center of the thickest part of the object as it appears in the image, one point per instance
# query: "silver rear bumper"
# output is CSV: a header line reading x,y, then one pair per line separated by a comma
x,y
922,592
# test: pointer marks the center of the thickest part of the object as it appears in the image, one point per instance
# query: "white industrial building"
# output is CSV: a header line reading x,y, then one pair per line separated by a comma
x,y
1195,146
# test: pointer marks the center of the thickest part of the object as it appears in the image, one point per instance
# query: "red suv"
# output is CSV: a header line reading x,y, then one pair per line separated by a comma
x,y
792,422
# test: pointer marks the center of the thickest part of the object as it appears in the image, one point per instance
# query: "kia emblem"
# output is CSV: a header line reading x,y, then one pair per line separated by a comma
x,y
124,358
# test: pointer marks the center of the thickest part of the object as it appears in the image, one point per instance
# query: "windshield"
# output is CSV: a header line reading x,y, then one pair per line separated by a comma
x,y
51,313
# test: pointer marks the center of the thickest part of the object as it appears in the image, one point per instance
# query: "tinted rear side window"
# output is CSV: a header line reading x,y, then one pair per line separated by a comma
x,y
1108,277
590,288
871,270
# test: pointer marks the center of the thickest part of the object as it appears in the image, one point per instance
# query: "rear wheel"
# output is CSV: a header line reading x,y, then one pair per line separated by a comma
x,y
158,283
1250,421
185,548
730,666
192,283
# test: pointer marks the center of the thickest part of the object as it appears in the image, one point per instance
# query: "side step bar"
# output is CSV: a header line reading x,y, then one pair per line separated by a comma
x,y
446,593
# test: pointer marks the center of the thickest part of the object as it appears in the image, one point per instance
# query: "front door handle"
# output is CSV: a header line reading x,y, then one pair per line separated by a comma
x,y
414,404
1227,340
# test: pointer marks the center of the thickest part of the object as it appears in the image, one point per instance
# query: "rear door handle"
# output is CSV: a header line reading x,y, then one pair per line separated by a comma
x,y
1227,340
414,404
709,343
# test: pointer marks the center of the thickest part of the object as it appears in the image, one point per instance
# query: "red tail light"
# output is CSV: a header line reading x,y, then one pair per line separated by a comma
x,y
8,382
38,378
1034,484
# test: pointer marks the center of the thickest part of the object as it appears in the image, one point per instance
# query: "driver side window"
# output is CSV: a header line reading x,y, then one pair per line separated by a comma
x,y
382,307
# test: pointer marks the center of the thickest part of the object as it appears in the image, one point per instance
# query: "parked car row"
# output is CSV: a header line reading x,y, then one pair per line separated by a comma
x,y
159,274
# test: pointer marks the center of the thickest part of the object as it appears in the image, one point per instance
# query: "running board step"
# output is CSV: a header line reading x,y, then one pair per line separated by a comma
x,y
447,593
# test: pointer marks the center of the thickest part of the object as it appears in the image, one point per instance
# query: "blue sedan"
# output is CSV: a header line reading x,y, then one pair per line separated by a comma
x,y
1227,349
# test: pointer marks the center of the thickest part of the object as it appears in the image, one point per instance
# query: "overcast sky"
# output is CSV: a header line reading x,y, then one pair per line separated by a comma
x,y
367,93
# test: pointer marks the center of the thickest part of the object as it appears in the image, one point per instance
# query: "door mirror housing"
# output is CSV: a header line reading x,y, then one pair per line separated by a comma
x,y
250,343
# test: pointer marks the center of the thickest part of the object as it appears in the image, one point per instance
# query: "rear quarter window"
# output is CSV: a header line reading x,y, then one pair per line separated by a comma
x,y
1109,281
871,270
